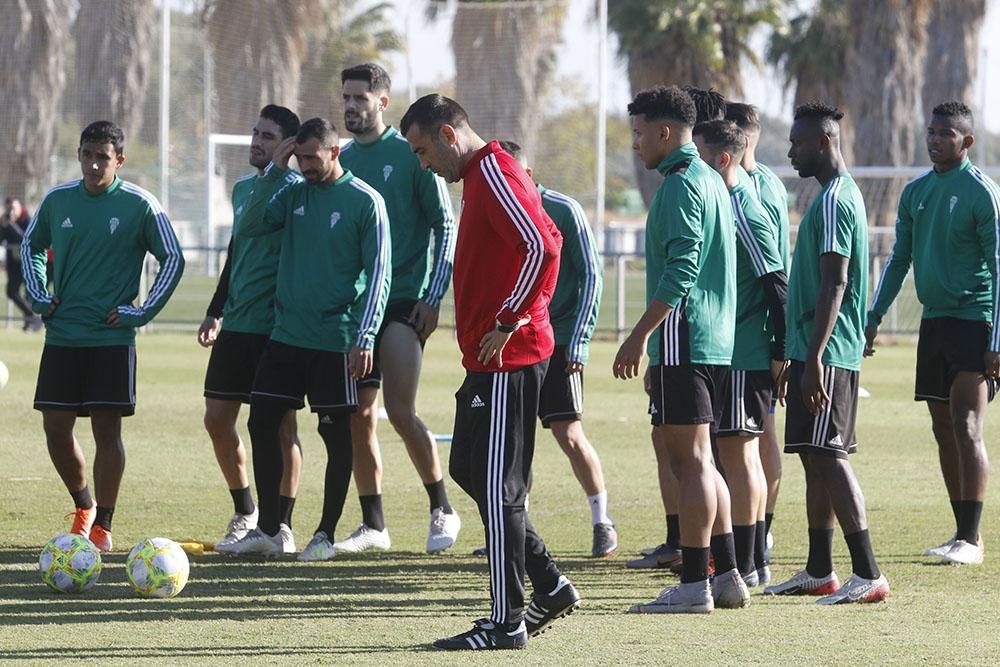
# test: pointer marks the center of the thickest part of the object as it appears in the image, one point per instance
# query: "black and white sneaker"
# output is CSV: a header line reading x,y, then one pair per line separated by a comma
x,y
545,609
486,635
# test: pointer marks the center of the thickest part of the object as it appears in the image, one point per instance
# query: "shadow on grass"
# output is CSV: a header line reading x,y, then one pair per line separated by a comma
x,y
181,652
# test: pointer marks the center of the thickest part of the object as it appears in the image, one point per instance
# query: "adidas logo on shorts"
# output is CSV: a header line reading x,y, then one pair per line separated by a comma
x,y
836,441
477,402
301,210
326,420
751,422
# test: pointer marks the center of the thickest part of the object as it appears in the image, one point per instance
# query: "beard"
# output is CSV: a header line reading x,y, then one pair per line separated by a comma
x,y
358,124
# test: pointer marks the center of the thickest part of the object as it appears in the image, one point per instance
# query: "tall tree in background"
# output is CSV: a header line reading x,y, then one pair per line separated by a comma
x,y
504,59
697,42
113,56
33,38
952,51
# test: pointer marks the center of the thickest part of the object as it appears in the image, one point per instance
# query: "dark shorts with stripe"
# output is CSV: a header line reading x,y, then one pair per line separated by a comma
x,y
82,379
830,432
687,394
233,365
397,311
746,404
947,347
562,394
288,374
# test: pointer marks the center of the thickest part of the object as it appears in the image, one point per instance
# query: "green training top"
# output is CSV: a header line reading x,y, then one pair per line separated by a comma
x,y
419,207
99,242
333,273
947,228
773,197
253,271
577,297
836,222
691,263
756,256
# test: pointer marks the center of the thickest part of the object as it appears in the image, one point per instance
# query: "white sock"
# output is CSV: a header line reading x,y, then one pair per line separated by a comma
x,y
599,508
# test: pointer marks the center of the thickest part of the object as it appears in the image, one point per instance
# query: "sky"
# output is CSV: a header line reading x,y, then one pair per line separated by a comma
x,y
577,59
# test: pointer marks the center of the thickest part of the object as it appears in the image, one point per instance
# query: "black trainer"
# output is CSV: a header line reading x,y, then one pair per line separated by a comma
x,y
545,609
605,541
485,635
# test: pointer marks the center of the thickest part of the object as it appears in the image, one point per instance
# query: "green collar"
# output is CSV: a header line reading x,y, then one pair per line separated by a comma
x,y
678,155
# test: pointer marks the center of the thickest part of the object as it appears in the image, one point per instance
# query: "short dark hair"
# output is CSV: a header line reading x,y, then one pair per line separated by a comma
x,y
375,76
512,148
104,132
432,111
744,115
662,102
318,128
960,112
283,117
722,135
710,104
818,111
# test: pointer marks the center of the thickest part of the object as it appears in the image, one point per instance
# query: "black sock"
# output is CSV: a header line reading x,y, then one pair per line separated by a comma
x,y
759,545
265,428
335,429
745,538
371,511
862,558
82,499
694,566
969,512
674,531
242,500
768,518
438,496
820,563
956,511
723,552
104,515
285,506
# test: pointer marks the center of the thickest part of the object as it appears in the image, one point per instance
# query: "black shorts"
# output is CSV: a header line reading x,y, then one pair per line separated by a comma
x,y
832,430
288,374
947,346
397,311
687,394
233,365
746,404
81,379
562,394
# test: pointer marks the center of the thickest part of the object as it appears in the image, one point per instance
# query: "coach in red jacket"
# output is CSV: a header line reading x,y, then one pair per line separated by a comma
x,y
506,263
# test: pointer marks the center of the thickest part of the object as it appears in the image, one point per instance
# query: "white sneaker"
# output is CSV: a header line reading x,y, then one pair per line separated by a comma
x,y
804,584
963,553
693,598
286,538
729,591
443,530
362,539
941,549
239,526
858,589
319,548
254,542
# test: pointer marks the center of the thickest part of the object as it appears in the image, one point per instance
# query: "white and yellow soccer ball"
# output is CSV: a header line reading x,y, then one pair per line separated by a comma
x,y
70,563
157,568
4,375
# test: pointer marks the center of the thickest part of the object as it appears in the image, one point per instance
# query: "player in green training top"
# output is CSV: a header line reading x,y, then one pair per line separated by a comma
x,y
948,229
243,307
100,229
419,213
688,327
758,352
773,197
824,341
333,281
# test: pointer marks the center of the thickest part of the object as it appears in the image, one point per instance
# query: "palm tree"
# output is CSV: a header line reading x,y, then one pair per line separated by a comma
x,y
952,51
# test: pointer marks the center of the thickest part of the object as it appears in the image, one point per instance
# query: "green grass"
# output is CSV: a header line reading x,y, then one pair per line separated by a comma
x,y
385,608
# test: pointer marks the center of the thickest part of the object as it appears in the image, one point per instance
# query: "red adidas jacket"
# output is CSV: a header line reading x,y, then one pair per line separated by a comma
x,y
506,262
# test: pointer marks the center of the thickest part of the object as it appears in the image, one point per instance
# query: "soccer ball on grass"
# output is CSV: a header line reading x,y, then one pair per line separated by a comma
x,y
157,568
70,563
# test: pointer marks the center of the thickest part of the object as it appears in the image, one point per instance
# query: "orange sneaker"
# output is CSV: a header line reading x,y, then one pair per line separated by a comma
x,y
83,520
101,538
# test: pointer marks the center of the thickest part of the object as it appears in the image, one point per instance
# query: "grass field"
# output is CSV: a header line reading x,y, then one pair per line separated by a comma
x,y
386,608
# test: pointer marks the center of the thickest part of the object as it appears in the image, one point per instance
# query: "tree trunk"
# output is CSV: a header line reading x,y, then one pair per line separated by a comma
x,y
114,47
33,41
952,52
504,58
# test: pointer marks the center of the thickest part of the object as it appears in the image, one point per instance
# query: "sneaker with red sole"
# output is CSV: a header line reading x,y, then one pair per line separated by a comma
x,y
859,590
805,584
83,520
101,538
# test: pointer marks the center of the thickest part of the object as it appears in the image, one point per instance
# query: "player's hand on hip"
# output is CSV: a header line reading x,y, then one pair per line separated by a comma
x,y
114,319
871,332
52,308
813,392
492,345
208,331
424,318
283,153
629,357
359,362
991,361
